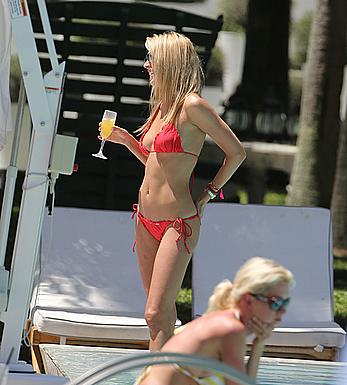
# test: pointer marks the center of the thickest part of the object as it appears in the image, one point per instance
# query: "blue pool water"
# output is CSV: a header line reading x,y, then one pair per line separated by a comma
x,y
72,361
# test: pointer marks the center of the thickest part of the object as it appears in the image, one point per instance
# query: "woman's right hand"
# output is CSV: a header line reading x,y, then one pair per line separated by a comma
x,y
119,135
262,330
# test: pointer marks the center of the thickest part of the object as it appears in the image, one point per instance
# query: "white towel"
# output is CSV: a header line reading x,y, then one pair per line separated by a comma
x,y
5,57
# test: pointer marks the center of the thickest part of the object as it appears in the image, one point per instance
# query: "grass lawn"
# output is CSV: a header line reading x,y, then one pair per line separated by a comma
x,y
184,299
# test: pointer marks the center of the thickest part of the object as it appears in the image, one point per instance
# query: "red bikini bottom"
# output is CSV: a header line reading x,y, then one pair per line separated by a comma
x,y
158,228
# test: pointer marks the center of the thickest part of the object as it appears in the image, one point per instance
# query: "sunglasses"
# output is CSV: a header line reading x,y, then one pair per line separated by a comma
x,y
148,57
275,303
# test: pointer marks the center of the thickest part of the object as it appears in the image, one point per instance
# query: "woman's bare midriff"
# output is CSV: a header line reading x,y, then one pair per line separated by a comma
x,y
165,190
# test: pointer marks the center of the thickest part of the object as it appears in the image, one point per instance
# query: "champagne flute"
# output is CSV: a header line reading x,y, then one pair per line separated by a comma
x,y
108,121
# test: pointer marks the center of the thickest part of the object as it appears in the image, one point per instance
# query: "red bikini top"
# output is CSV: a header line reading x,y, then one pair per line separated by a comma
x,y
167,140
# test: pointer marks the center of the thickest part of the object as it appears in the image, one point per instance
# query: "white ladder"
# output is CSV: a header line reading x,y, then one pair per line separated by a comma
x,y
43,94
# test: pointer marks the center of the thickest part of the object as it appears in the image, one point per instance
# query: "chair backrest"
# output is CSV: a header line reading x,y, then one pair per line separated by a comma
x,y
102,43
87,264
297,237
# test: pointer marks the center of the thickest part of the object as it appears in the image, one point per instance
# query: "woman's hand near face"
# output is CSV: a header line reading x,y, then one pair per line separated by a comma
x,y
262,330
119,135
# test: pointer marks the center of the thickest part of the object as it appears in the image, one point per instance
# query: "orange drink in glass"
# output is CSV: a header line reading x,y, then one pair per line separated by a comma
x,y
107,123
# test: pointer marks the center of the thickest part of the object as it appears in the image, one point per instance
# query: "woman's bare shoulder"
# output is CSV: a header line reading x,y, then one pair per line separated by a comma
x,y
194,101
199,111
223,323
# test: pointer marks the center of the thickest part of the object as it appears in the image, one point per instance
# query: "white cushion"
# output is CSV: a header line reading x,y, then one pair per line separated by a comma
x,y
327,334
298,334
84,325
297,237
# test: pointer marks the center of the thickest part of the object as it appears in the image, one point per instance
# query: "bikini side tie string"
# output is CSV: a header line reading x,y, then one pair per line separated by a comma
x,y
135,207
183,229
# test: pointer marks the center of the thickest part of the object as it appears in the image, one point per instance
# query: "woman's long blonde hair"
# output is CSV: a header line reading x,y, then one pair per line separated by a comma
x,y
256,276
177,73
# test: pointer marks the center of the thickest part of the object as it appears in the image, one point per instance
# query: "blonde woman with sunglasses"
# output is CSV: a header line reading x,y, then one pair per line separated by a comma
x,y
167,219
253,305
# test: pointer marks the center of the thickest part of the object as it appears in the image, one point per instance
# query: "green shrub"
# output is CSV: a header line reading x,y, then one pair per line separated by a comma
x,y
234,13
184,305
273,198
340,307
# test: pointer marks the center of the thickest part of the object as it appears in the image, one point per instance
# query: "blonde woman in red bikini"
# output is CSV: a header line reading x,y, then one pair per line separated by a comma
x,y
168,220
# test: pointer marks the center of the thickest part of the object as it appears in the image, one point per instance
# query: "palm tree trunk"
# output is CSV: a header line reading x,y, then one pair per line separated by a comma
x,y
339,199
264,85
314,166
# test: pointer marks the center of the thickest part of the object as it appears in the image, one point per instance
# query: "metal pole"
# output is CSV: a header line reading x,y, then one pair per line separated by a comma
x,y
48,33
11,176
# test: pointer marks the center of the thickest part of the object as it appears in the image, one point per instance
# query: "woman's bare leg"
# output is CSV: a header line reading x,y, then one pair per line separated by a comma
x,y
168,271
146,248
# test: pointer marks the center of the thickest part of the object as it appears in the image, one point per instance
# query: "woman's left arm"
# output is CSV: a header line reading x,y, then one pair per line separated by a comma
x,y
254,358
262,332
202,115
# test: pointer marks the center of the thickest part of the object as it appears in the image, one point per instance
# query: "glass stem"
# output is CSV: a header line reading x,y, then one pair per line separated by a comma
x,y
102,145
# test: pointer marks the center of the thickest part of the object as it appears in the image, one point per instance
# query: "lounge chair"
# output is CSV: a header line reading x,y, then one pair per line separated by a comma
x,y
297,237
88,290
